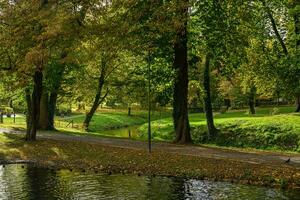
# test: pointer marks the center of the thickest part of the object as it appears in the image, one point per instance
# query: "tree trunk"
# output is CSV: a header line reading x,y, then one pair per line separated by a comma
x,y
28,114
298,104
44,115
227,103
212,131
51,109
275,28
251,100
297,33
35,105
180,105
97,101
129,111
10,103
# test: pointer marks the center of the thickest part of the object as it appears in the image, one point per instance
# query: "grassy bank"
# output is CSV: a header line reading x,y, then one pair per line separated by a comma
x,y
269,129
95,157
102,120
114,119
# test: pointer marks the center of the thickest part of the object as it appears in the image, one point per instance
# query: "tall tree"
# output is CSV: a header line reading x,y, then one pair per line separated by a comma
x,y
180,98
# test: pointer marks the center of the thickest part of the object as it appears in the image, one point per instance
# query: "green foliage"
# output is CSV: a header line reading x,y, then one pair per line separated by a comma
x,y
6,110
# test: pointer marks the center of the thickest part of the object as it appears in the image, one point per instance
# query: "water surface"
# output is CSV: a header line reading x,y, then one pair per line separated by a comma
x,y
27,182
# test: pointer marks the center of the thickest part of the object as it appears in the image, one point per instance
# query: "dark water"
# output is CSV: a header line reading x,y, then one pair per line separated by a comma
x,y
41,184
127,132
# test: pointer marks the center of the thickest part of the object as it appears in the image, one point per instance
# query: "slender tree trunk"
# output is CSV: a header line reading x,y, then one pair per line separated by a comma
x,y
51,109
97,100
297,33
275,28
212,131
35,105
10,103
227,104
28,114
44,115
129,111
251,100
298,104
252,106
180,105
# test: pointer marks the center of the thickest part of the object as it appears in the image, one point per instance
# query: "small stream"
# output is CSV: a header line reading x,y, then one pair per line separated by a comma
x,y
22,182
127,132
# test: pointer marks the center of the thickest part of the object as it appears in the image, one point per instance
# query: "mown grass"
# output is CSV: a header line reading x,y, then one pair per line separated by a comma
x,y
114,120
100,124
96,157
270,128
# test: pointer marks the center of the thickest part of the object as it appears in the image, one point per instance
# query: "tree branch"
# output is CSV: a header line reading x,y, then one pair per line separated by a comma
x,y
275,29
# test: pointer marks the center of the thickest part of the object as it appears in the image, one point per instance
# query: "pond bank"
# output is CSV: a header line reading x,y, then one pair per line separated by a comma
x,y
92,156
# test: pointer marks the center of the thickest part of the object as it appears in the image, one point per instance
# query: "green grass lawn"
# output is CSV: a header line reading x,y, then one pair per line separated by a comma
x,y
113,120
271,128
267,129
100,124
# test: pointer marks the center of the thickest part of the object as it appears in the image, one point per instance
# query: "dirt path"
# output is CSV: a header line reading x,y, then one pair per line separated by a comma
x,y
256,157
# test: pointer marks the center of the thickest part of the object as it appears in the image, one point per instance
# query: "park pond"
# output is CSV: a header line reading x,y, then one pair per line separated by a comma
x,y
28,182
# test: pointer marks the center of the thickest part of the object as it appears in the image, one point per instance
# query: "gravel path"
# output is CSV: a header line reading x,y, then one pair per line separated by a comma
x,y
257,157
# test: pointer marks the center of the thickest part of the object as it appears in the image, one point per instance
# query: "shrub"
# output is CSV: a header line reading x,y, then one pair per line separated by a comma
x,y
251,134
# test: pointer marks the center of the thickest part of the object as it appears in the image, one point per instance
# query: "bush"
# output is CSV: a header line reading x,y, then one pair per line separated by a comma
x,y
63,110
274,111
8,111
255,135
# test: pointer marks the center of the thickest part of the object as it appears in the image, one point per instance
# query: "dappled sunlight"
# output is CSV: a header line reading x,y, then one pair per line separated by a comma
x,y
59,152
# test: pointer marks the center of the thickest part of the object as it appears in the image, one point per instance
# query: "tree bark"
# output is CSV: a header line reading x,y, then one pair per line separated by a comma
x,y
298,104
28,114
10,103
51,109
297,33
275,29
34,107
129,111
212,131
180,95
44,115
251,100
97,100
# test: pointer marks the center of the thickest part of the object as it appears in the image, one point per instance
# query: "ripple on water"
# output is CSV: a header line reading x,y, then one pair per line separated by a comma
x,y
37,183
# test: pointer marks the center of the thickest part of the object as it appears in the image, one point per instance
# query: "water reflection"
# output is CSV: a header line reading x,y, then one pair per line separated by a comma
x,y
128,132
35,183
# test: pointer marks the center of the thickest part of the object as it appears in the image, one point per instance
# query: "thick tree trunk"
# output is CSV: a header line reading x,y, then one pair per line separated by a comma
x,y
251,100
35,105
97,101
51,109
44,115
180,105
212,131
